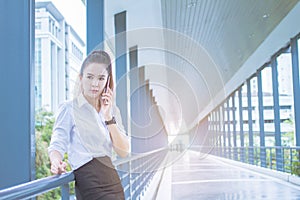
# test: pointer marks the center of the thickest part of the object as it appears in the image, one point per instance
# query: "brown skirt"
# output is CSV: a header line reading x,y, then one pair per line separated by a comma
x,y
97,180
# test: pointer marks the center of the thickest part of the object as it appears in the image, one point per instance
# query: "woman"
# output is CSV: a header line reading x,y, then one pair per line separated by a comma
x,y
86,129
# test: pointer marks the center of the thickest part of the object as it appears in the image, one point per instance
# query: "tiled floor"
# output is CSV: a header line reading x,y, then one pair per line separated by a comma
x,y
198,176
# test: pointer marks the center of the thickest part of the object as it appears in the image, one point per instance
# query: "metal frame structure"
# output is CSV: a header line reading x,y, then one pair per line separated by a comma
x,y
17,143
275,157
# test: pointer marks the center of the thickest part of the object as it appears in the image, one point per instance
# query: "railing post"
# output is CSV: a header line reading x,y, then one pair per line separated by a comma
x,y
65,192
291,160
128,169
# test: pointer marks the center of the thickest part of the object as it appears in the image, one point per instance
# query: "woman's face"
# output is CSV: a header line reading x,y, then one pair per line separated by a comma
x,y
94,79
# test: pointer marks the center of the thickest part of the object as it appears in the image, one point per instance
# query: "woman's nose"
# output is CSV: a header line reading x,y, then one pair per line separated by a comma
x,y
95,83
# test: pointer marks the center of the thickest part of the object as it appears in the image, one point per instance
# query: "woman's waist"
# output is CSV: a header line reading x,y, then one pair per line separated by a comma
x,y
101,164
80,158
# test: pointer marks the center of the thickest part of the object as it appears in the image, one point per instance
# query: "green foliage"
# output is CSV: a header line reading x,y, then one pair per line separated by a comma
x,y
44,124
43,131
289,137
296,168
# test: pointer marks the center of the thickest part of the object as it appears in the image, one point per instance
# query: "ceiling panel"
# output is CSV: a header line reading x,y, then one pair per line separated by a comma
x,y
207,41
230,30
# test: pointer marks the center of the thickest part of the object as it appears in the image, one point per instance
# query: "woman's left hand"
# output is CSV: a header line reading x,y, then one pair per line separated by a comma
x,y
106,104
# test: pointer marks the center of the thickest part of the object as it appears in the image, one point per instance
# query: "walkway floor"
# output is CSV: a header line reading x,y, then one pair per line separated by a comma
x,y
197,176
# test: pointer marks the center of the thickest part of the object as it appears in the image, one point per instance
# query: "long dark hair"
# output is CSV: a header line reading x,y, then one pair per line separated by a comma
x,y
101,57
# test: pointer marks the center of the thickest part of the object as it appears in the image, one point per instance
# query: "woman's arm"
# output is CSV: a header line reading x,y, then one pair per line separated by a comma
x,y
119,140
60,139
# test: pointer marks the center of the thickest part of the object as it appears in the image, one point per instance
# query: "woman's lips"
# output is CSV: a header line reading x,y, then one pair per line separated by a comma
x,y
94,91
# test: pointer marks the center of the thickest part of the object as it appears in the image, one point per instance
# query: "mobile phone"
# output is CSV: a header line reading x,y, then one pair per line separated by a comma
x,y
106,87
107,84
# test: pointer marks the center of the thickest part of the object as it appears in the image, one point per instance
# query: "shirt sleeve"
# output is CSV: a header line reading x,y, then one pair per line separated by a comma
x,y
117,114
61,130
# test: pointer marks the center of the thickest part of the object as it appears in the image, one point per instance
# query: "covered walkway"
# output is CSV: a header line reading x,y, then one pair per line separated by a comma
x,y
189,74
196,175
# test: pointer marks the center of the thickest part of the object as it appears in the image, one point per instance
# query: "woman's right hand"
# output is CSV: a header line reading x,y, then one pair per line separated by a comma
x,y
58,167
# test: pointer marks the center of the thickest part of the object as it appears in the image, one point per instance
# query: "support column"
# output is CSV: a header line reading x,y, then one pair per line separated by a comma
x,y
228,128
219,132
136,79
17,138
261,120
224,130
235,153
212,129
241,124
94,24
121,66
276,114
250,124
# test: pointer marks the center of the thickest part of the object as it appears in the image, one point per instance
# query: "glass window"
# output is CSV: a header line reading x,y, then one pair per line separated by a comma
x,y
38,25
237,119
286,98
221,117
225,125
267,90
255,111
230,110
245,114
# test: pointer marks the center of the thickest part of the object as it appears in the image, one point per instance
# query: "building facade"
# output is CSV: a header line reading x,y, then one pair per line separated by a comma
x,y
59,52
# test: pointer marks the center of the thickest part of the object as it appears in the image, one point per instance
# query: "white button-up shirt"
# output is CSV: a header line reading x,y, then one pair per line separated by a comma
x,y
80,131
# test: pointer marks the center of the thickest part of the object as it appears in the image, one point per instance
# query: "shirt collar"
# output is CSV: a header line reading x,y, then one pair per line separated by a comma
x,y
81,100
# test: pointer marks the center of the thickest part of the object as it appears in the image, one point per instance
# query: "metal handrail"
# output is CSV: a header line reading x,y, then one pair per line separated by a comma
x,y
36,187
280,158
135,157
33,188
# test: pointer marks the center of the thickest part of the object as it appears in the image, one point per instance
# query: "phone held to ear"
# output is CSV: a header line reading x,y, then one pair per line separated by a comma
x,y
106,88
106,85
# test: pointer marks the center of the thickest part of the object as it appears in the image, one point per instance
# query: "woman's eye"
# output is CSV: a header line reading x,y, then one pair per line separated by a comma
x,y
89,77
101,79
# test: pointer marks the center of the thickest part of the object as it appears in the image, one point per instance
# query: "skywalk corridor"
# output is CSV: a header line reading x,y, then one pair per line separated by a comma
x,y
200,176
188,75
